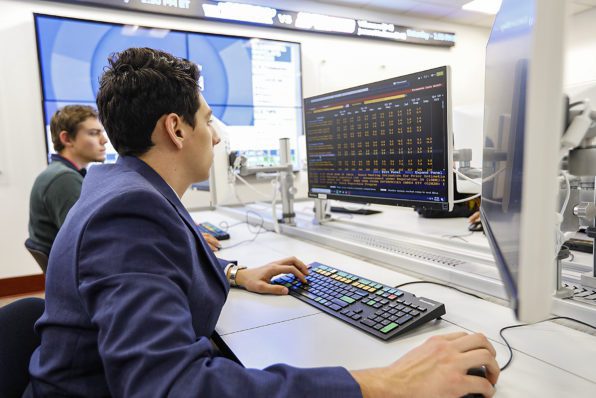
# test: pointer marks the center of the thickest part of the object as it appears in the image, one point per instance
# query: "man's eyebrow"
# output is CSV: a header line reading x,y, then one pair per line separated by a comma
x,y
210,113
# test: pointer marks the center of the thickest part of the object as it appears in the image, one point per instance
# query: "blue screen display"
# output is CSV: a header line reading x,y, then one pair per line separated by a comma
x,y
253,85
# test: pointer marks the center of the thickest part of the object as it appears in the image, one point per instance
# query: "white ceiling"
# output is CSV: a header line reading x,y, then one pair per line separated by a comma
x,y
444,10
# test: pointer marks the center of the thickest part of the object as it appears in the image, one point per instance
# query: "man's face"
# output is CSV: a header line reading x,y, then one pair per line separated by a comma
x,y
89,142
201,143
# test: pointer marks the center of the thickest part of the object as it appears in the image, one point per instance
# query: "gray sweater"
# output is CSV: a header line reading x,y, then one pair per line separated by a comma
x,y
54,192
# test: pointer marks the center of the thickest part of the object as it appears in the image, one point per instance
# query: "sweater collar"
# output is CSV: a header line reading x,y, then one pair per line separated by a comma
x,y
68,163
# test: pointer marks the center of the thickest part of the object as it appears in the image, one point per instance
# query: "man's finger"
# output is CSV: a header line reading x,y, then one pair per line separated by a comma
x,y
474,341
478,358
453,336
474,217
477,385
295,262
211,240
287,269
267,288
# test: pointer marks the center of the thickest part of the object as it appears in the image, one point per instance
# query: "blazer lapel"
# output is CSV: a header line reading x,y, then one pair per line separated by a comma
x,y
158,183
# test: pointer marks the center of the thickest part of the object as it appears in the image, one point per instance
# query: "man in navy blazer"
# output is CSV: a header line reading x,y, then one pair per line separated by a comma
x,y
133,292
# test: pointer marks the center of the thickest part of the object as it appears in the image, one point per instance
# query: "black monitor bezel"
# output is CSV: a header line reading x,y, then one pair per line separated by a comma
x,y
505,272
448,205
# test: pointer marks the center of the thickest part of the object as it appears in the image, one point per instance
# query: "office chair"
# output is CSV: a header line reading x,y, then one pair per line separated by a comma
x,y
17,342
38,254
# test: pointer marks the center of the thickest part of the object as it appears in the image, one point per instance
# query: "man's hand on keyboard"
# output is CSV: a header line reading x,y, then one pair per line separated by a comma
x,y
258,279
437,368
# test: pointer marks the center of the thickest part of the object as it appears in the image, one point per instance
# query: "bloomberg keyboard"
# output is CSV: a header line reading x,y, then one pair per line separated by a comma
x,y
218,233
380,310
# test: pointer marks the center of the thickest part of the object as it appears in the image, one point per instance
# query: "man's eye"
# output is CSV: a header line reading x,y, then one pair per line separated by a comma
x,y
210,121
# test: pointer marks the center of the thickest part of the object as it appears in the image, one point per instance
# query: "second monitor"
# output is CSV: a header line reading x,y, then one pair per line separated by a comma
x,y
388,142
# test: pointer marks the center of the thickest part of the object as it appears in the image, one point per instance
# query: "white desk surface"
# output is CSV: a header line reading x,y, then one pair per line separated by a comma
x,y
550,360
390,216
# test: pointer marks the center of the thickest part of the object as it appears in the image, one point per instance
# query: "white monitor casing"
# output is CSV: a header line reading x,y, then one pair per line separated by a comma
x,y
534,283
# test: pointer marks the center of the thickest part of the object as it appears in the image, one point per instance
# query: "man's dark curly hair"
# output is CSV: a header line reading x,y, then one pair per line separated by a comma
x,y
139,86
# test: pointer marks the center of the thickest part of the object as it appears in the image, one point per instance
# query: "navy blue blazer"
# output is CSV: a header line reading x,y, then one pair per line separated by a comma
x,y
133,293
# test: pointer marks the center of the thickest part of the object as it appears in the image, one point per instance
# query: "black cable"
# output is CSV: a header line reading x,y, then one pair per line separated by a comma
x,y
507,343
439,284
527,324
506,327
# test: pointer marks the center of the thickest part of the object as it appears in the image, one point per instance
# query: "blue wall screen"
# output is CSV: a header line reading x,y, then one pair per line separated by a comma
x,y
253,85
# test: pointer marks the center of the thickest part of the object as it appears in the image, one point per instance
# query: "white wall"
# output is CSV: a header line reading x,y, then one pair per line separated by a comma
x,y
580,61
580,65
329,63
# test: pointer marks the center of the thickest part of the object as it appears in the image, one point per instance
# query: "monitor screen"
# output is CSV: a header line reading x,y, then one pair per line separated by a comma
x,y
253,85
523,121
387,142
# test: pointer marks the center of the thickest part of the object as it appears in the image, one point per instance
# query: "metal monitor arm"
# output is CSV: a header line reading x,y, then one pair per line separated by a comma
x,y
286,176
578,144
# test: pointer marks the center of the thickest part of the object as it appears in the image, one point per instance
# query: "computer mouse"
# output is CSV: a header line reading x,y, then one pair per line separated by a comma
x,y
480,372
476,226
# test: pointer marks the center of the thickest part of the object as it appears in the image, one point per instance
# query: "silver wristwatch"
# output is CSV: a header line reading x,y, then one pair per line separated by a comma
x,y
233,272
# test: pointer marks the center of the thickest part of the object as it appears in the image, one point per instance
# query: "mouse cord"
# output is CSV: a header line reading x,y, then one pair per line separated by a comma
x,y
439,284
527,324
506,327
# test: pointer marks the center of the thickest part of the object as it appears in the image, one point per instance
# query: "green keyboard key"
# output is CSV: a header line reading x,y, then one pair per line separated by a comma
x,y
389,327
347,299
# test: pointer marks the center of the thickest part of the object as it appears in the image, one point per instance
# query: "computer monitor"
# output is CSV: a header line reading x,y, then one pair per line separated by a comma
x,y
388,142
523,122
253,85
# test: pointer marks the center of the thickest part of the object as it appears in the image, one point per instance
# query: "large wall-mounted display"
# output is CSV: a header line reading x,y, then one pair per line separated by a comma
x,y
253,85
229,11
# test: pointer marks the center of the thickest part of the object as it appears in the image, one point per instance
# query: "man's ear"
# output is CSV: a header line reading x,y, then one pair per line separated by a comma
x,y
173,128
65,138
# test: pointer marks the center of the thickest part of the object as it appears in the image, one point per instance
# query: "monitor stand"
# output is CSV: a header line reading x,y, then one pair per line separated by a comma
x,y
364,212
321,215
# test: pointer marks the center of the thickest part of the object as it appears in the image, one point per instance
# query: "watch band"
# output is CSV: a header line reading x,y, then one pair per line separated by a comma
x,y
233,272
